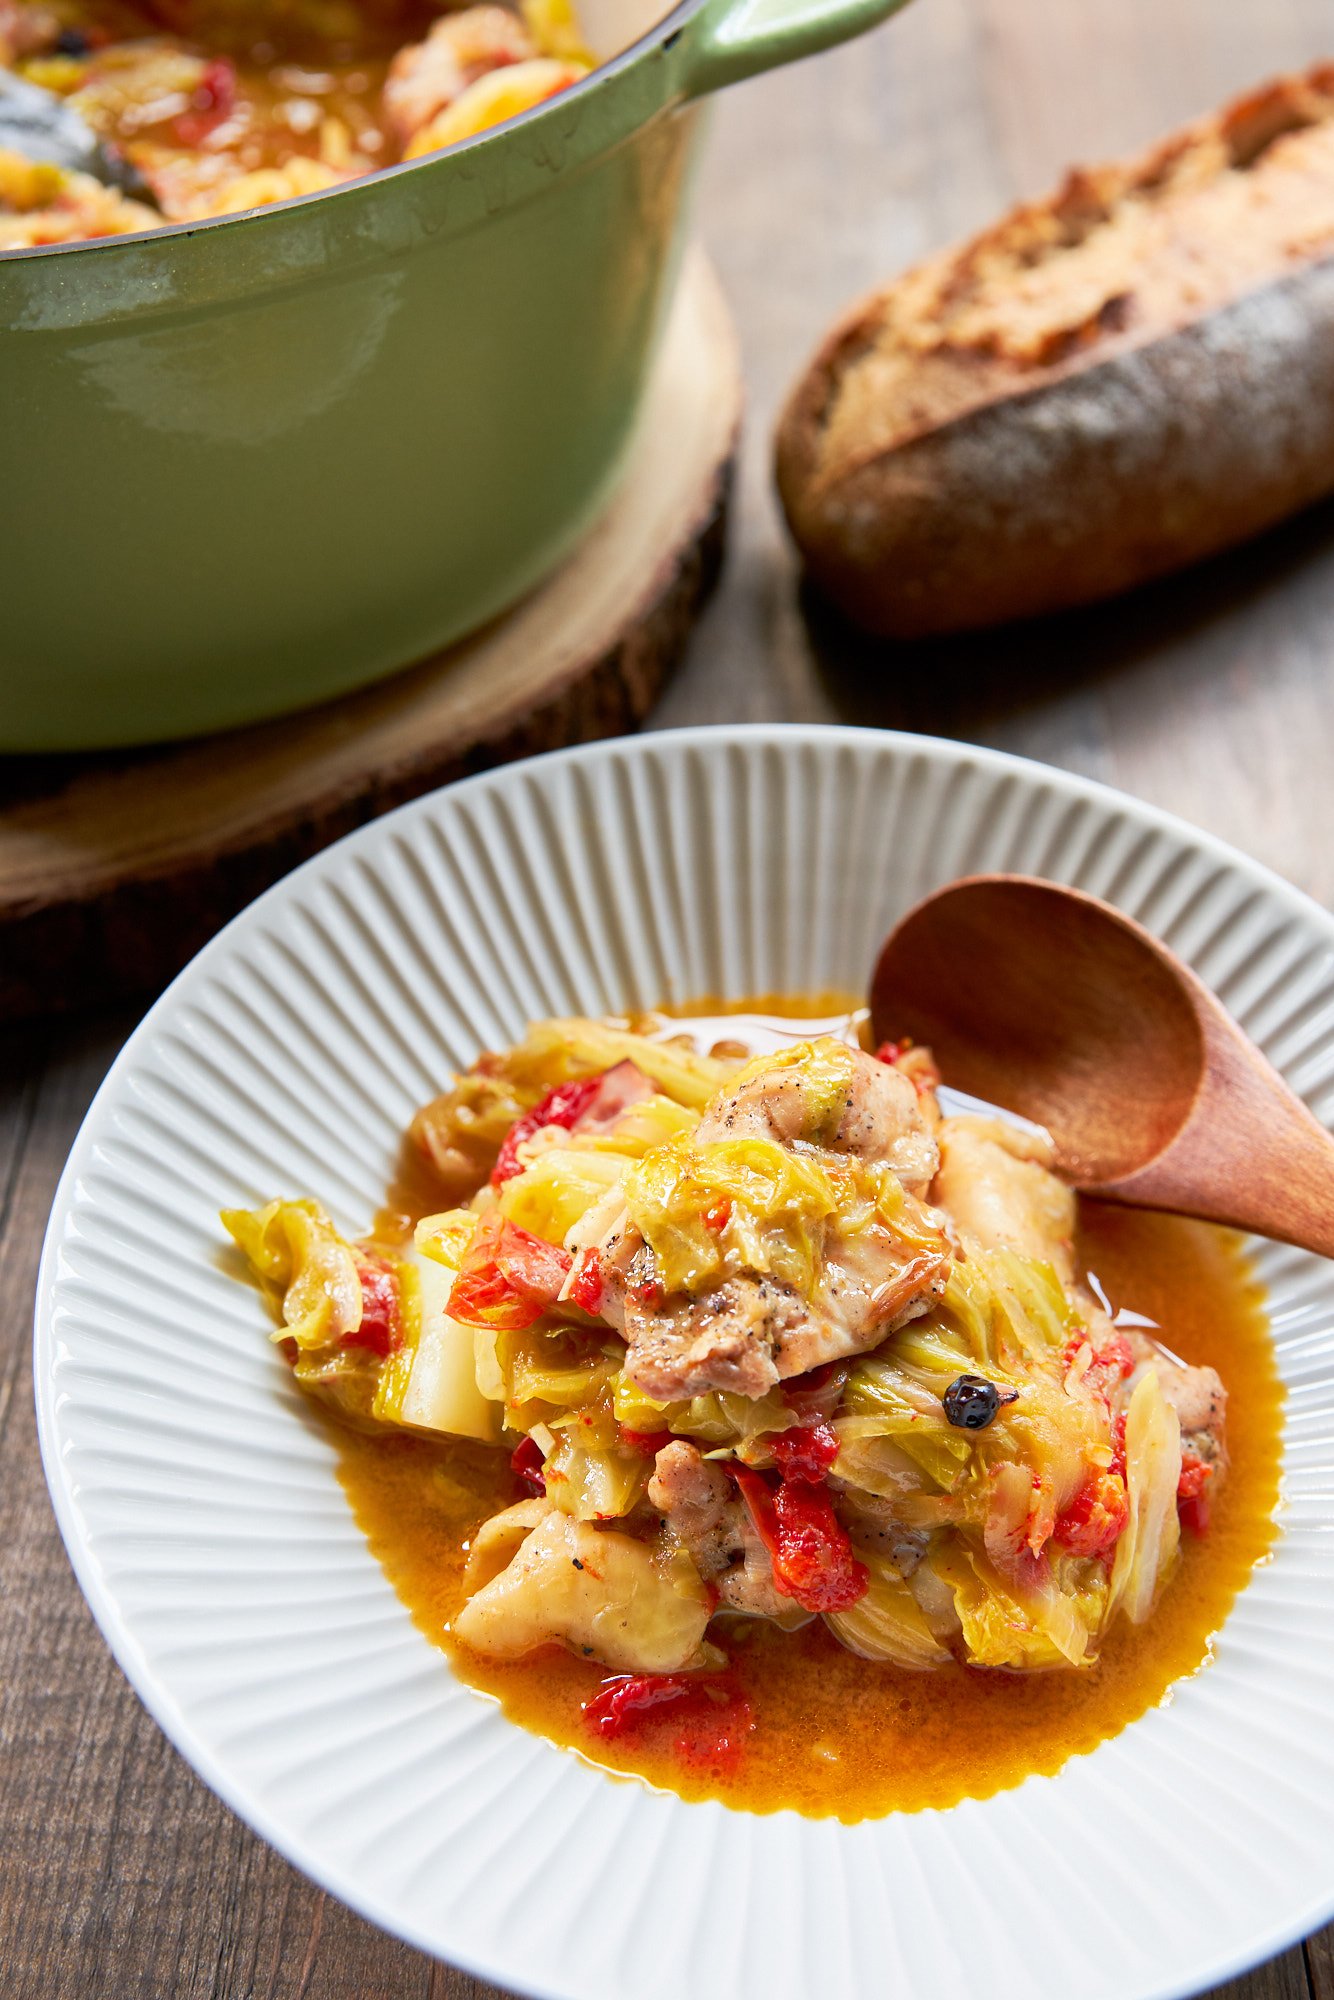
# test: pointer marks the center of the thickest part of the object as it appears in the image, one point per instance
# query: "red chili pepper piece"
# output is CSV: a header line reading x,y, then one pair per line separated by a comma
x,y
617,1704
564,1106
807,1451
1093,1522
1111,1363
381,1329
812,1381
889,1052
508,1278
588,1283
1192,1493
808,1545
649,1442
212,100
526,1465
717,1215
711,1717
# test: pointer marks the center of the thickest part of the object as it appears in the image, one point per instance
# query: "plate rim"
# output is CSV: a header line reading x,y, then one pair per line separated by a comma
x,y
235,1793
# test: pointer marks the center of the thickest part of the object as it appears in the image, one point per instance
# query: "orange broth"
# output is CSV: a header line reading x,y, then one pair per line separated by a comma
x,y
834,1735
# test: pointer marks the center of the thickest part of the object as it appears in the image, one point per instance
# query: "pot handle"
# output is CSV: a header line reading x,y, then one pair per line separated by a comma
x,y
732,39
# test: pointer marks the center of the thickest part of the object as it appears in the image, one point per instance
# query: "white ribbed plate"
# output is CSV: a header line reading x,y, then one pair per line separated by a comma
x,y
199,1502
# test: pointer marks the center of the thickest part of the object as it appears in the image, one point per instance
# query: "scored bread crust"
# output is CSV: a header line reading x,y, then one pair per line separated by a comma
x,y
1101,388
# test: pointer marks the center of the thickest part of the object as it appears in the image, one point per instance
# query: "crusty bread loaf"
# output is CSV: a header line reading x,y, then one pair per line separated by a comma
x,y
1100,388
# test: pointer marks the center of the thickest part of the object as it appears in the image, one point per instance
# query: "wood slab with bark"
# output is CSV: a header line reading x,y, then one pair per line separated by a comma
x,y
116,866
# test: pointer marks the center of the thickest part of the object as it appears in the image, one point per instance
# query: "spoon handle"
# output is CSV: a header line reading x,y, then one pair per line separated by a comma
x,y
1249,1154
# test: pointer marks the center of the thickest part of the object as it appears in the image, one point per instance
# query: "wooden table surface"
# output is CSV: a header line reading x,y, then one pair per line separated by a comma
x,y
119,1873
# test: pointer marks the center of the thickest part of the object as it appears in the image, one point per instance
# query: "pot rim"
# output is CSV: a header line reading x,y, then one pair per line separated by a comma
x,y
662,32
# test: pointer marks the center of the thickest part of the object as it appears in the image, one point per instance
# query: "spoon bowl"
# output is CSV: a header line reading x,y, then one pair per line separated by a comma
x,y
1054,1004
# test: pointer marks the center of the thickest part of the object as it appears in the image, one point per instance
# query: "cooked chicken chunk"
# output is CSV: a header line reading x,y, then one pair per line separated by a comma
x,y
995,1183
603,1594
1196,1394
701,1506
750,1328
751,1332
460,47
876,1117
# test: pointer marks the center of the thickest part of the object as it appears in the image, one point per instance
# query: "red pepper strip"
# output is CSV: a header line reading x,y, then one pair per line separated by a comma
x,y
811,1382
807,1451
564,1106
714,1715
526,1464
380,1330
618,1704
808,1545
649,1442
1192,1493
211,102
508,1278
588,1283
1093,1522
1111,1362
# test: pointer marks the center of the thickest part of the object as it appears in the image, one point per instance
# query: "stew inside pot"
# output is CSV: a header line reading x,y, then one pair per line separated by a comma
x,y
197,108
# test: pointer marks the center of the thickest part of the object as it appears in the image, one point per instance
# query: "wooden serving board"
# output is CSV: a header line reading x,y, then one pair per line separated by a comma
x,y
116,866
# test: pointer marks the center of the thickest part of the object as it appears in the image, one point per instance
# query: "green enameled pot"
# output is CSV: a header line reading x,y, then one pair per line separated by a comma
x,y
248,464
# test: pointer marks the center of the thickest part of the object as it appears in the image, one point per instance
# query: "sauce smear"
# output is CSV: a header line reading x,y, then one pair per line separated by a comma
x,y
829,1734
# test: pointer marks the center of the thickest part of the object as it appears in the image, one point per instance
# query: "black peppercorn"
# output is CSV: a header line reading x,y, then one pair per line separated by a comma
x,y
72,42
971,1401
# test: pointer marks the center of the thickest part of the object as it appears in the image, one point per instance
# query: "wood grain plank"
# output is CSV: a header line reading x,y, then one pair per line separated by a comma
x,y
1284,1978
119,1872
1320,1964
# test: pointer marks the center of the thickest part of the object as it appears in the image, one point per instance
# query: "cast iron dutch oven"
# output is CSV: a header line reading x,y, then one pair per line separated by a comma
x,y
249,463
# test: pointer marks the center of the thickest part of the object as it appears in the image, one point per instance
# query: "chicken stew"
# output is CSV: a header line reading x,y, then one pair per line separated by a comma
x,y
714,1384
198,108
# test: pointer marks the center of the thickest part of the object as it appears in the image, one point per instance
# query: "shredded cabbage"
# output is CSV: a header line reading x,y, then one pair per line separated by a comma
x,y
1148,1545
558,1187
295,1249
887,1623
777,1202
594,1485
430,1383
1051,1624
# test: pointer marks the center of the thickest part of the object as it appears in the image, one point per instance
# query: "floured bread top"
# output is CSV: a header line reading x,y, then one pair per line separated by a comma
x,y
1121,255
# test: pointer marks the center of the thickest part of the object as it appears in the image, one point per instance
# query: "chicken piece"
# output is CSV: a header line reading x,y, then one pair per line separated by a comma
x,y
702,1508
618,1089
752,1329
427,76
997,1186
606,1596
495,98
919,1066
876,1116
726,1339
1196,1394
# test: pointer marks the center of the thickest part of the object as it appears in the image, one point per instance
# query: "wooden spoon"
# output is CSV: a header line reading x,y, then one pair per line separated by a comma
x,y
1053,1004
